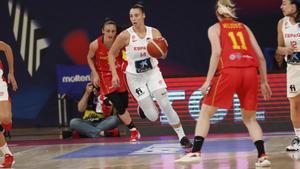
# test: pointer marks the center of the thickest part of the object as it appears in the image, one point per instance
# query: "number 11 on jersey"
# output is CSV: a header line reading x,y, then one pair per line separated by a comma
x,y
235,44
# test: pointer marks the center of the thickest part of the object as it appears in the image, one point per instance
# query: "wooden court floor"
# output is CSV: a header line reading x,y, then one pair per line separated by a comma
x,y
219,152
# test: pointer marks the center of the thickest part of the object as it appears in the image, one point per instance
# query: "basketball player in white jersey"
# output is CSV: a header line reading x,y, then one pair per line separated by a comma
x,y
5,104
143,75
289,46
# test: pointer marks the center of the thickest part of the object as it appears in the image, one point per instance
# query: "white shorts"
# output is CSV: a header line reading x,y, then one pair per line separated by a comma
x,y
141,85
293,80
3,91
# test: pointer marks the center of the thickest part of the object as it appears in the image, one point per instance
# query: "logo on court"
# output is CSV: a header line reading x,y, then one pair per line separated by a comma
x,y
292,88
171,148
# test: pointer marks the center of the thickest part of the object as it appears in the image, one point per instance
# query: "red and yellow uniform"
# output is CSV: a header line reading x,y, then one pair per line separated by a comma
x,y
237,69
103,70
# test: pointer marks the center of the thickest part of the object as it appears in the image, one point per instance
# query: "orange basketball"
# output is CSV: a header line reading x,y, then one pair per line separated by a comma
x,y
157,47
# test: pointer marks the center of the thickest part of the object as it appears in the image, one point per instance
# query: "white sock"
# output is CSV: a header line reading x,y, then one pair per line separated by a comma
x,y
297,132
180,133
5,150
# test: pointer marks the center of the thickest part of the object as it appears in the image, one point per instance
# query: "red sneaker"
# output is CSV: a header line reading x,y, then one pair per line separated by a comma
x,y
135,135
8,161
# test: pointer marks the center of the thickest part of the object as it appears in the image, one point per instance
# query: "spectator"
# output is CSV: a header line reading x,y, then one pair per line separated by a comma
x,y
279,64
95,121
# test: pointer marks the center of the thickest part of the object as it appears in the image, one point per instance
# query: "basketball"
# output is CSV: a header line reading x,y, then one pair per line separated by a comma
x,y
157,47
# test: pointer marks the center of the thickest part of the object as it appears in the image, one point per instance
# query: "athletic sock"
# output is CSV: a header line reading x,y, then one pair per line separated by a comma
x,y
131,126
180,133
198,142
297,132
260,147
5,150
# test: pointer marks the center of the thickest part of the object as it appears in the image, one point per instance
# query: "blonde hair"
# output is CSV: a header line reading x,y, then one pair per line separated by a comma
x,y
226,8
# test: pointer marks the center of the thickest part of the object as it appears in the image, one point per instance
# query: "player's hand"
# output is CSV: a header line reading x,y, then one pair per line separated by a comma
x,y
95,79
288,51
164,56
266,91
11,80
204,88
115,81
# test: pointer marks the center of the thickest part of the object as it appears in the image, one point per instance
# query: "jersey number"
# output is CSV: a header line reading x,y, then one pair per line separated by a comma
x,y
294,44
234,41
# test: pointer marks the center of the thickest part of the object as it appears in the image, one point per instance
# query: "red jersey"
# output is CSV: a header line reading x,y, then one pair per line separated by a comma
x,y
237,50
104,72
101,59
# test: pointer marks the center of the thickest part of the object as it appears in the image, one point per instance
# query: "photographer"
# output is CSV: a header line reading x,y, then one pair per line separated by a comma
x,y
94,121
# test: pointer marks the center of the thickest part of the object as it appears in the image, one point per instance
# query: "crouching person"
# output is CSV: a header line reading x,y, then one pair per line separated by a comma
x,y
95,121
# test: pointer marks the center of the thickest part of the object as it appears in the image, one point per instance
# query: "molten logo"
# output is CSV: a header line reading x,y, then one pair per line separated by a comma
x,y
76,78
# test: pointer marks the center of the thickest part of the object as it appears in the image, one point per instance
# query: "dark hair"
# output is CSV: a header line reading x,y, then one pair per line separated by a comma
x,y
297,3
108,21
140,6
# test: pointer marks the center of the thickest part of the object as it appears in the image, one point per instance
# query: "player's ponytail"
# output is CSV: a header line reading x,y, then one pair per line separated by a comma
x,y
297,3
226,8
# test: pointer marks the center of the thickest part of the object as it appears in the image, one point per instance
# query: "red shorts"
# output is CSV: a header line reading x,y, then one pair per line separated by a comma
x,y
242,81
106,83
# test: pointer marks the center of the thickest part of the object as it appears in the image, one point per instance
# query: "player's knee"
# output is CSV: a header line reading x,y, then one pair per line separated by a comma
x,y
152,116
119,108
248,120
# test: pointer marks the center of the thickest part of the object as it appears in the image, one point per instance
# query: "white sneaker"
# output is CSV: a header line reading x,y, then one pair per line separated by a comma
x,y
189,158
295,145
263,162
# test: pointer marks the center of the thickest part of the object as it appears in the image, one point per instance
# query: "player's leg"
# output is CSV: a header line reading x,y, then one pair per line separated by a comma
x,y
161,96
293,94
157,87
247,92
220,95
202,128
121,105
5,113
295,118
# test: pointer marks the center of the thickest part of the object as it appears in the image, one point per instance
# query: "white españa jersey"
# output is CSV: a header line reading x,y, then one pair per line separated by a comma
x,y
291,35
138,58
